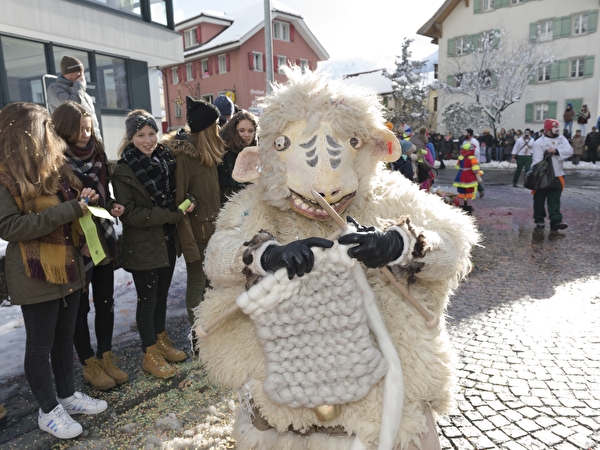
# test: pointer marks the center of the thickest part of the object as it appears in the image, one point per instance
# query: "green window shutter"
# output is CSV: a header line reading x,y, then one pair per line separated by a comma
x,y
557,28
552,110
533,31
592,21
531,76
588,68
476,6
496,38
472,42
529,113
566,26
450,81
451,47
494,79
500,4
563,69
554,71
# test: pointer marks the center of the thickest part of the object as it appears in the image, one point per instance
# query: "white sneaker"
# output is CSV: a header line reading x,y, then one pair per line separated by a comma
x,y
59,423
80,403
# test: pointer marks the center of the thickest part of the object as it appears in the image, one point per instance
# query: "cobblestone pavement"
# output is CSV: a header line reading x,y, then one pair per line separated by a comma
x,y
526,327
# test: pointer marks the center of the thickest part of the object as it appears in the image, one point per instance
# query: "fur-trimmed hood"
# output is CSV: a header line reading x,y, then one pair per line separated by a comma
x,y
179,142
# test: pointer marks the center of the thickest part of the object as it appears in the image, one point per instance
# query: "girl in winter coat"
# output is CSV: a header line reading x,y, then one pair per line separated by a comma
x,y
85,154
144,183
239,133
198,150
40,203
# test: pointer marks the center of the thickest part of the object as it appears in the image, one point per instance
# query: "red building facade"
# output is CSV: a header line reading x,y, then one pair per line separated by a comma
x,y
226,55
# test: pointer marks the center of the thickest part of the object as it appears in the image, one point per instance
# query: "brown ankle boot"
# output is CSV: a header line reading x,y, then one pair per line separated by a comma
x,y
94,374
111,369
155,364
170,353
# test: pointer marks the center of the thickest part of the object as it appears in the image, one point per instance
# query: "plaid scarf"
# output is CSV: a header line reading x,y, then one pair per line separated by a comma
x,y
155,173
51,257
90,167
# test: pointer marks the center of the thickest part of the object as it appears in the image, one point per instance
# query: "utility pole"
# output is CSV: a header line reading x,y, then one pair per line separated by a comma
x,y
268,46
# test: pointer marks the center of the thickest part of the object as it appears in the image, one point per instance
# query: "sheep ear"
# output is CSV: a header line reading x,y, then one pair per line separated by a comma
x,y
247,165
386,148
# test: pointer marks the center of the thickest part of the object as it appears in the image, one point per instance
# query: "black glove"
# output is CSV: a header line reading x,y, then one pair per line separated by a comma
x,y
375,248
296,257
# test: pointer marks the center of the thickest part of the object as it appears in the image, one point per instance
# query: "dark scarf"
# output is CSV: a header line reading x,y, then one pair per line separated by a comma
x,y
155,173
90,167
51,257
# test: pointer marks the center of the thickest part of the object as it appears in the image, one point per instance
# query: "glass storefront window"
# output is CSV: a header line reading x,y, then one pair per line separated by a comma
x,y
112,82
25,63
60,52
129,6
158,11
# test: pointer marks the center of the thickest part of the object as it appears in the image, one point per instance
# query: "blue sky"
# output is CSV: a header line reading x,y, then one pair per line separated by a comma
x,y
367,30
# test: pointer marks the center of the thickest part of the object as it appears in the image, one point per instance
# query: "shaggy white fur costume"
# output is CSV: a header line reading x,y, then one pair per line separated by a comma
x,y
437,243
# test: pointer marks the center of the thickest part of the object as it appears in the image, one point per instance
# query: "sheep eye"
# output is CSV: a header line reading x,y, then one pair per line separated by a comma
x,y
356,143
282,143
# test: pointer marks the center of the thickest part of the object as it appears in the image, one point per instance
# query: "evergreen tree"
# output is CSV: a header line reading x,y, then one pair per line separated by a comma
x,y
409,92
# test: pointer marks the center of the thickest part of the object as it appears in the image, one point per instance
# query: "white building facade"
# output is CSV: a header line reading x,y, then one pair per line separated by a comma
x,y
567,28
120,42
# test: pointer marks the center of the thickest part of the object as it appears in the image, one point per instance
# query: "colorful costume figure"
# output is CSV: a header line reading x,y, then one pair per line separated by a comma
x,y
325,350
468,176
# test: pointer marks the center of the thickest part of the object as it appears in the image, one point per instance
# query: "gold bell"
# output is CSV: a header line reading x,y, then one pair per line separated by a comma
x,y
325,413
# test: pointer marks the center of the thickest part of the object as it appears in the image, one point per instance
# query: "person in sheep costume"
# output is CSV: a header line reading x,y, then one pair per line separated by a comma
x,y
325,351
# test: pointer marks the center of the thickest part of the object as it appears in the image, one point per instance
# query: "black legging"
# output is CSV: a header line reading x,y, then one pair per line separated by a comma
x,y
152,288
102,288
49,327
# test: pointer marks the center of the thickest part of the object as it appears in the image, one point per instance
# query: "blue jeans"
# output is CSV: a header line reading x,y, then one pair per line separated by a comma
x,y
49,328
569,126
499,153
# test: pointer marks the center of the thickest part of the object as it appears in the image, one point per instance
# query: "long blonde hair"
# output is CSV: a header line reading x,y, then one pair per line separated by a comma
x,y
212,147
31,151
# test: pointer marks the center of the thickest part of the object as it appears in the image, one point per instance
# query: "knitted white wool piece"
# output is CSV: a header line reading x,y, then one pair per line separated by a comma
x,y
314,332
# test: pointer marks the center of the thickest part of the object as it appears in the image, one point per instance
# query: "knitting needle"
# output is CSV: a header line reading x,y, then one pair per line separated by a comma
x,y
431,320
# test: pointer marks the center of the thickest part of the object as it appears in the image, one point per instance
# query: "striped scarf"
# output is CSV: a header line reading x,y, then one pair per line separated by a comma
x,y
155,173
90,167
51,257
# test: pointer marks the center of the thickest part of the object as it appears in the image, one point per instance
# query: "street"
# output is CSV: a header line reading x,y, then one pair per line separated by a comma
x,y
525,327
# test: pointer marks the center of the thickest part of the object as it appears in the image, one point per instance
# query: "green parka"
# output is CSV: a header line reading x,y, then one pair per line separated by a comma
x,y
143,245
202,183
16,227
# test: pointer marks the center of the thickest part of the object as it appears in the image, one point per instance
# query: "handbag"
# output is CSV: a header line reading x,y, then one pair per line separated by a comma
x,y
423,174
541,176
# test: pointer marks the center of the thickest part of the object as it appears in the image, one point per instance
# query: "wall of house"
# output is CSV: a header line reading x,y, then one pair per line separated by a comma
x,y
517,19
248,84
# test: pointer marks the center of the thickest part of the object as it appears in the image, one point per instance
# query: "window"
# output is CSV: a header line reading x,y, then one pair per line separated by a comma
x,y
580,24
175,75
304,65
112,82
223,63
189,72
257,62
178,112
544,73
516,2
25,63
461,45
154,11
281,63
541,111
191,38
205,69
208,98
281,31
545,30
488,5
577,68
